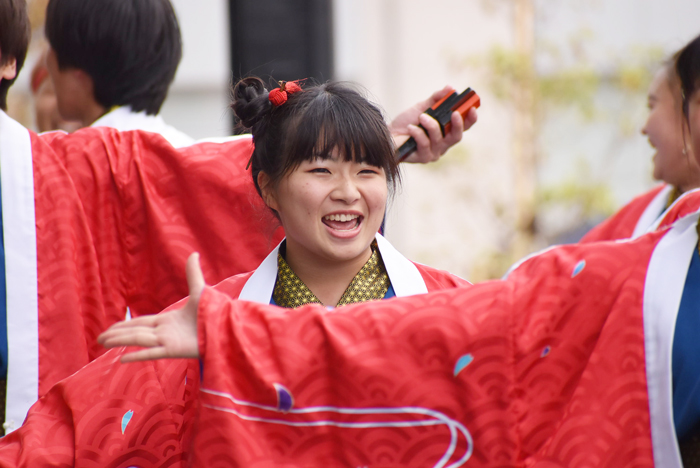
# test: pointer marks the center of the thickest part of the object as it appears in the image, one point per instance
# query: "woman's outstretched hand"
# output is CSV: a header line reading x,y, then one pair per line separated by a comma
x,y
166,335
433,145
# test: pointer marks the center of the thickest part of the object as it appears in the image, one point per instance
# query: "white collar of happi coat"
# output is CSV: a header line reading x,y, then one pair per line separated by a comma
x,y
19,230
124,119
403,274
663,290
652,213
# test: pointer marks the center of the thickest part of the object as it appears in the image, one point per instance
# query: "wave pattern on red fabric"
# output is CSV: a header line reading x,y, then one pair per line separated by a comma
x,y
117,215
540,372
114,415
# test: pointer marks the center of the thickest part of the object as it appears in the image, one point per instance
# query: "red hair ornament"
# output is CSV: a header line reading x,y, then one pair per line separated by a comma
x,y
278,96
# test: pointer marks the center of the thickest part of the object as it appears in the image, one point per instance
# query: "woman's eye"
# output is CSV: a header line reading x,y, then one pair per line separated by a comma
x,y
369,171
320,170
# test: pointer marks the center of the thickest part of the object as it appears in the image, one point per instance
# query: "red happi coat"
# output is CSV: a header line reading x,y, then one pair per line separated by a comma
x,y
98,221
566,363
142,414
633,219
687,204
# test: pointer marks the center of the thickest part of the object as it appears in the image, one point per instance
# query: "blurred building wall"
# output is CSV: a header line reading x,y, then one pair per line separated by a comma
x,y
198,100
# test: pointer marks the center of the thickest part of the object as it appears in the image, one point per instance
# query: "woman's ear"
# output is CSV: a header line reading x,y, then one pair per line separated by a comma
x,y
268,191
9,70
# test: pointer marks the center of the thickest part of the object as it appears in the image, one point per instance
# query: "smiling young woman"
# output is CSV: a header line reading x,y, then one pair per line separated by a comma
x,y
324,163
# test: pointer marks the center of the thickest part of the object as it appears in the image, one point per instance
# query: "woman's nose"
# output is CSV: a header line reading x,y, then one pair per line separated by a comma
x,y
346,190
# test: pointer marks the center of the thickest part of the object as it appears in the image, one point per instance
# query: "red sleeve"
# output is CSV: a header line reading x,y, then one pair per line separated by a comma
x,y
76,299
149,206
519,369
579,354
113,414
354,357
687,204
45,439
437,280
110,414
621,224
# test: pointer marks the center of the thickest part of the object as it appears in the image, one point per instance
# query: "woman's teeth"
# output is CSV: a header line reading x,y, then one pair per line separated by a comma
x,y
341,217
342,222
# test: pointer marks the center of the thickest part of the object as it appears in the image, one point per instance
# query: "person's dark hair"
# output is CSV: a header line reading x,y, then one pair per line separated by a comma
x,y
14,39
688,70
130,48
312,124
674,83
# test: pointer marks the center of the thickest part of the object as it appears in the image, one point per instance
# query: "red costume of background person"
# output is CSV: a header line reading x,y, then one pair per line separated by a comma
x,y
633,218
99,221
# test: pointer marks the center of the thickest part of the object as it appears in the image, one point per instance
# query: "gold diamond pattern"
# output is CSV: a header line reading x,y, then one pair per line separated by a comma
x,y
370,284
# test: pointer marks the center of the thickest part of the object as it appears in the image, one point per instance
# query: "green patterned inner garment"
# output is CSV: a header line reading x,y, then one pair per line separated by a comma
x,y
370,284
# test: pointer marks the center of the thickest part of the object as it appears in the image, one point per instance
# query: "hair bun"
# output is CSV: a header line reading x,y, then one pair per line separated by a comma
x,y
250,101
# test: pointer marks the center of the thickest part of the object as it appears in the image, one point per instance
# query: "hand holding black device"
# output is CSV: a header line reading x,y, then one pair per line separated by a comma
x,y
442,112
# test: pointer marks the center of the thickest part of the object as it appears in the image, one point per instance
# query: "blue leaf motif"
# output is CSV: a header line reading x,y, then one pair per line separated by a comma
x,y
125,419
578,268
463,362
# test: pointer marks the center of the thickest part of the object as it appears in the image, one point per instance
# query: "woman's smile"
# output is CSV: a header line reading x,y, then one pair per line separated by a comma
x,y
343,224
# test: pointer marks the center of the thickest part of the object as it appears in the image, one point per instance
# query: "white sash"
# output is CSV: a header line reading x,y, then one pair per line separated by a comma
x,y
19,229
663,290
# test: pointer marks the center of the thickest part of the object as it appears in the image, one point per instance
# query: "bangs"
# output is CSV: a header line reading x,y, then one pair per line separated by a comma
x,y
339,122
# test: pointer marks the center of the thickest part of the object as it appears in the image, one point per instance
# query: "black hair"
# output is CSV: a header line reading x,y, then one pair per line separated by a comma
x,y
14,40
130,48
312,124
688,70
674,83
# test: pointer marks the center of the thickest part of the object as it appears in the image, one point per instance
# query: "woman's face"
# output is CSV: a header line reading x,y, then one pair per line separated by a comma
x,y
330,210
664,128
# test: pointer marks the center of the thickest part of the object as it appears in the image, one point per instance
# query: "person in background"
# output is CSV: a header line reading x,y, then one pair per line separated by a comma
x,y
112,61
674,163
14,38
45,102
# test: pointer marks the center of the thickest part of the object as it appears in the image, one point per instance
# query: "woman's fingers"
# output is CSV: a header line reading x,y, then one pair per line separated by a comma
x,y
437,95
470,119
146,321
145,355
127,327
136,336
455,134
434,133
